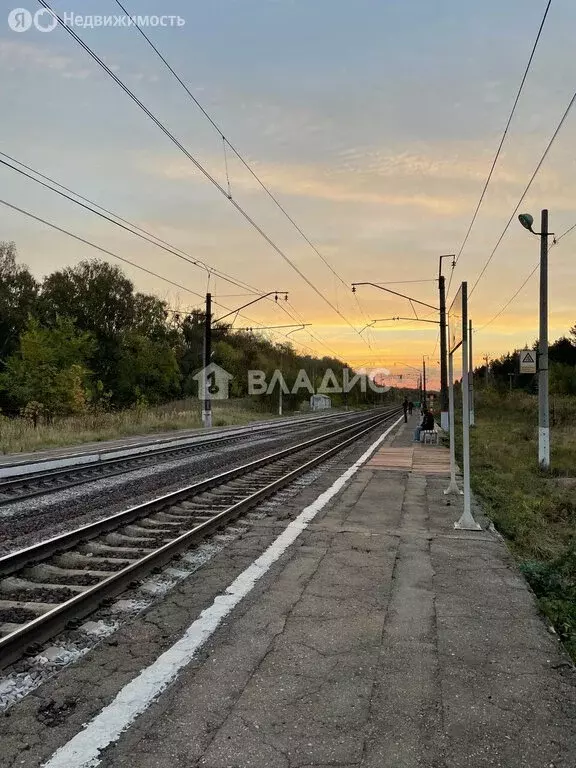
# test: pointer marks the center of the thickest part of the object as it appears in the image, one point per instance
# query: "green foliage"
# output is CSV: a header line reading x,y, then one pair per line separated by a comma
x,y
18,297
534,510
95,295
50,368
85,340
562,363
146,368
562,379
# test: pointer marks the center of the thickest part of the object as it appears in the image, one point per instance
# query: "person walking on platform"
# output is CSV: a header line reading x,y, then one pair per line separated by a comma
x,y
405,409
410,407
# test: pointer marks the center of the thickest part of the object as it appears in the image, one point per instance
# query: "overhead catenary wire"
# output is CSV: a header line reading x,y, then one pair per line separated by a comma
x,y
524,283
295,315
525,192
197,164
114,255
98,247
160,242
505,133
501,144
236,152
111,217
510,300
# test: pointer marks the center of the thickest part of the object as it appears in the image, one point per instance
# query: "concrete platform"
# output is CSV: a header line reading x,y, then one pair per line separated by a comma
x,y
382,638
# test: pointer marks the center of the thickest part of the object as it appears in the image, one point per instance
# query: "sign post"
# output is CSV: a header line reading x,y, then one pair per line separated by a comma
x,y
459,337
454,341
527,361
466,522
471,374
453,485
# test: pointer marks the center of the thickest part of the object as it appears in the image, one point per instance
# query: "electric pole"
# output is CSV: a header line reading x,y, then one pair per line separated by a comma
x,y
207,409
424,383
471,374
543,404
527,222
208,321
444,416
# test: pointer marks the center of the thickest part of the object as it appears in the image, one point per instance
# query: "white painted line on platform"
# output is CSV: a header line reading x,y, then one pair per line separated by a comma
x,y
83,750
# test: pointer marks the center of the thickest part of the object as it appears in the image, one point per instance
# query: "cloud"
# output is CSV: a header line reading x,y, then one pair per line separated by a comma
x,y
340,185
436,179
16,54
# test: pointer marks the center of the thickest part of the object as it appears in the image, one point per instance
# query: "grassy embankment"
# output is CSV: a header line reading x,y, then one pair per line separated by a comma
x,y
535,511
20,436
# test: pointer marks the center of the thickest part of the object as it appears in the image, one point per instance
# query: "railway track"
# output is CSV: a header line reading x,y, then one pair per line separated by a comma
x,y
55,583
42,483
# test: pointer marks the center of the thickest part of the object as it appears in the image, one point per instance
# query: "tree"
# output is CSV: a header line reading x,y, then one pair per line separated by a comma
x,y
146,368
563,350
95,294
562,379
18,297
101,300
50,368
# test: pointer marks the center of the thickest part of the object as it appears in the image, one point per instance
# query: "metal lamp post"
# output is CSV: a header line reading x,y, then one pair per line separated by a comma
x,y
527,222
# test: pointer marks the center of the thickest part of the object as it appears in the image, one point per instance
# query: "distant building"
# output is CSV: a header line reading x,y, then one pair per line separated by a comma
x,y
320,402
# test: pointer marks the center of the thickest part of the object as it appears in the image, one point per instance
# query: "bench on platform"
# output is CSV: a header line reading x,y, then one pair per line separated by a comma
x,y
429,436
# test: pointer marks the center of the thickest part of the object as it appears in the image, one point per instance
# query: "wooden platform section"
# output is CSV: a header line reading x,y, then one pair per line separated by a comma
x,y
424,459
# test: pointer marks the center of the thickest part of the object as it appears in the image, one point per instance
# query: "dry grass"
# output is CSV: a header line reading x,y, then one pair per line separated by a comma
x,y
19,435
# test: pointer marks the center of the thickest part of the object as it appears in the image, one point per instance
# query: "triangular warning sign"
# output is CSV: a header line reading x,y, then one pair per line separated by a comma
x,y
527,357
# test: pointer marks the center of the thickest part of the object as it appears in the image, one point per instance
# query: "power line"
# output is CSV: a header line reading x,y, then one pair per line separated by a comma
x,y
170,248
533,272
400,282
567,232
119,258
196,163
124,224
510,300
537,169
295,315
228,143
98,247
513,110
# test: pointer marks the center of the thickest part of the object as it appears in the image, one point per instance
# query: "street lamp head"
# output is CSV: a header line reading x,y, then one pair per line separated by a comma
x,y
527,221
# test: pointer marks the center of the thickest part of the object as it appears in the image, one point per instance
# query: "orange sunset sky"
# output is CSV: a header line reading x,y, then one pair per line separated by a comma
x,y
374,123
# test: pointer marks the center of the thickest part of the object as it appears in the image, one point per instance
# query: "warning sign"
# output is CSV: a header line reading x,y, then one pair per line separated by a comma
x,y
527,361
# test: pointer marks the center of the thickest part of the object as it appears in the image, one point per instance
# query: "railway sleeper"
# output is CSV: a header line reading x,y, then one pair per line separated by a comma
x,y
7,628
141,530
116,539
45,573
17,589
90,562
21,611
153,524
128,553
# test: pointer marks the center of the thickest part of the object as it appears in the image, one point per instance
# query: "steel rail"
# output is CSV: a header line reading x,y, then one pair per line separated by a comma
x,y
98,470
41,628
